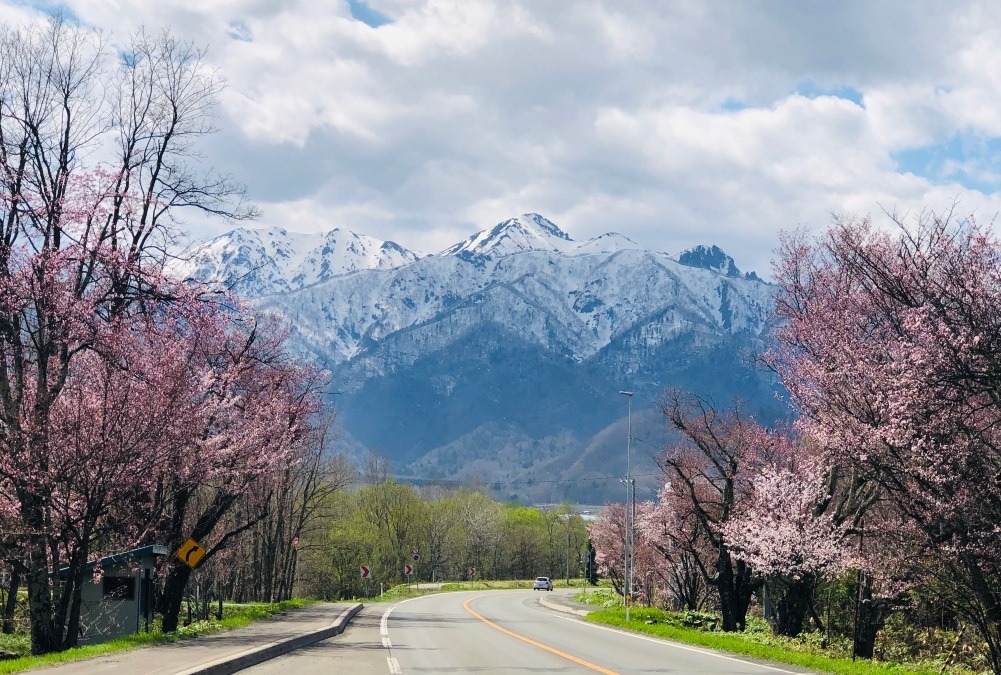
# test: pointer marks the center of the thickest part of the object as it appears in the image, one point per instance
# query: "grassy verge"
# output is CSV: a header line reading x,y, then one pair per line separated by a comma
x,y
234,616
756,643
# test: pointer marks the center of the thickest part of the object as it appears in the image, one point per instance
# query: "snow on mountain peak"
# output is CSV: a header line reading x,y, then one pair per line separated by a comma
x,y
274,260
528,232
610,242
532,232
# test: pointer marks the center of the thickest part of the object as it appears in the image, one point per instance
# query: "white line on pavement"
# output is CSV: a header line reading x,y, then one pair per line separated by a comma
x,y
677,645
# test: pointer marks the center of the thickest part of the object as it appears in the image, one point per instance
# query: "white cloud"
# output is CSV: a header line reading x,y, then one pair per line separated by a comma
x,y
601,115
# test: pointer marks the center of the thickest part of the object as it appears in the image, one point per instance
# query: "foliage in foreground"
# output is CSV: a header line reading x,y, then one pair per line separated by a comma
x,y
234,616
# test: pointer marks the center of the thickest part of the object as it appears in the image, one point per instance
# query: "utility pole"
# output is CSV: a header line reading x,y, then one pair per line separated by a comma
x,y
630,508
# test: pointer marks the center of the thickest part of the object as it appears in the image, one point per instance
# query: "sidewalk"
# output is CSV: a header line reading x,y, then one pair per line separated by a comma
x,y
224,652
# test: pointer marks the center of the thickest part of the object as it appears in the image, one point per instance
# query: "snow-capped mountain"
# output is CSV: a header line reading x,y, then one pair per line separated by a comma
x,y
532,232
261,262
573,305
518,334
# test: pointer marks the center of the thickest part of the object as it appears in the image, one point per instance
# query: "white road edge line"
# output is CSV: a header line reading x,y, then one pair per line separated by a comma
x,y
679,645
384,623
394,665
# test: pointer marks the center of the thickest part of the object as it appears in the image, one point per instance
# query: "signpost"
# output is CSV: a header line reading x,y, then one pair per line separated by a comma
x,y
415,554
364,572
408,569
472,571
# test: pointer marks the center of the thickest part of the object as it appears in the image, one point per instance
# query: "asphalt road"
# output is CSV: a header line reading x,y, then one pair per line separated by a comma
x,y
496,632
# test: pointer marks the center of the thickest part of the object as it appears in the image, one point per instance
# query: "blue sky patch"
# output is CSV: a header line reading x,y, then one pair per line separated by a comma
x,y
239,30
972,161
810,90
732,105
56,8
366,14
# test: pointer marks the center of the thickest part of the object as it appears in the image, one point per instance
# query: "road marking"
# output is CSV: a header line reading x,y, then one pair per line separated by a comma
x,y
394,665
552,650
678,645
384,623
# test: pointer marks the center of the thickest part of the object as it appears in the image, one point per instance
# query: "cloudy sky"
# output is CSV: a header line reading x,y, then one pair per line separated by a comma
x,y
674,122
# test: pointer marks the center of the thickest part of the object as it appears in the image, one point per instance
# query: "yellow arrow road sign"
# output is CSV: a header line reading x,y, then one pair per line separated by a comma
x,y
190,553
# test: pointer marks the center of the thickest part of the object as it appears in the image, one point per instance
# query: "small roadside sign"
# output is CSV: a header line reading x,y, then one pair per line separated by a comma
x,y
190,553
472,571
364,572
408,569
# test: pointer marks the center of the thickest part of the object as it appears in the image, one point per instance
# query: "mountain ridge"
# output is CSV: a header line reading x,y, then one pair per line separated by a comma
x,y
517,331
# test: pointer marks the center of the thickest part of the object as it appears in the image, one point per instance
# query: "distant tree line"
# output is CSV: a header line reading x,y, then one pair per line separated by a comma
x,y
458,533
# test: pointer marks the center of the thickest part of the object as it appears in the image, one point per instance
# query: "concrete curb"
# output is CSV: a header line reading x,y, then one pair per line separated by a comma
x,y
256,655
546,602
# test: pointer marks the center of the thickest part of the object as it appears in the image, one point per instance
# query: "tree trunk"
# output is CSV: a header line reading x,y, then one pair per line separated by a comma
x,y
66,625
870,618
10,606
72,635
37,577
791,601
735,584
40,605
173,594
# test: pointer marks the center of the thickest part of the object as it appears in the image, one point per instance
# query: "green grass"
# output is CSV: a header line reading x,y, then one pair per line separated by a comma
x,y
756,643
234,616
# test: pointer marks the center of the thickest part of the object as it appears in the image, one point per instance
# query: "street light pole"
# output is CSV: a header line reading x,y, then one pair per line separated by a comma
x,y
630,514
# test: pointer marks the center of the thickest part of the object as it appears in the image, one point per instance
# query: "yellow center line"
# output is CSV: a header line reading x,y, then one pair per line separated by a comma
x,y
530,641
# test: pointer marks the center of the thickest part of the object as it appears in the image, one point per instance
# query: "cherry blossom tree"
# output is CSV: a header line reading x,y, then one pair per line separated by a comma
x,y
46,322
889,345
608,534
659,575
81,243
254,404
710,471
115,423
674,537
789,538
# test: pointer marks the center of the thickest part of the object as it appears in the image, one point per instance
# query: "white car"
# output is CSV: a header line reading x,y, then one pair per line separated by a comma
x,y
542,584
